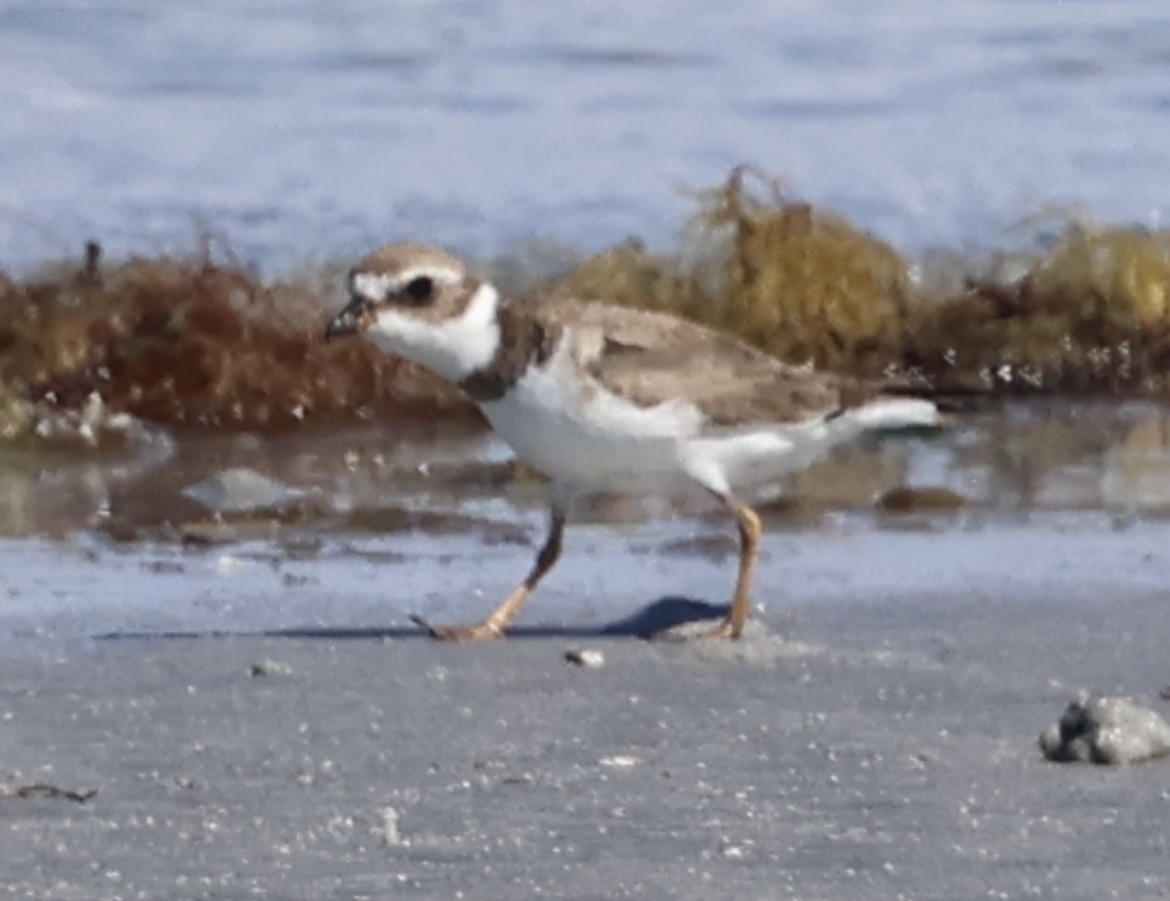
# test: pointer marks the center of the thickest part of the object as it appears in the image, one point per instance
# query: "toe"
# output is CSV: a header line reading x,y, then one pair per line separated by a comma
x,y
472,632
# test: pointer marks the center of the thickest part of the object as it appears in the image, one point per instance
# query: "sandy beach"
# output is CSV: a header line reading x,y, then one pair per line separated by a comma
x,y
875,737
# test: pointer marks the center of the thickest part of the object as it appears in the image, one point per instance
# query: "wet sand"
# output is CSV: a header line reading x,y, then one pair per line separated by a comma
x,y
875,738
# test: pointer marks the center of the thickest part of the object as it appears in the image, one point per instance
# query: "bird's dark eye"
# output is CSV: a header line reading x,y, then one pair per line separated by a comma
x,y
419,289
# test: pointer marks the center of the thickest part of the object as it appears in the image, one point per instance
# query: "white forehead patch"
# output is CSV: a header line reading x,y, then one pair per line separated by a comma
x,y
378,286
370,285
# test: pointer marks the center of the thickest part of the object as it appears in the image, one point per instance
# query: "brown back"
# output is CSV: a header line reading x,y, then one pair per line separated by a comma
x,y
650,358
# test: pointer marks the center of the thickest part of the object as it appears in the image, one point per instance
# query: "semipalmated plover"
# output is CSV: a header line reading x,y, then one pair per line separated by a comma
x,y
606,398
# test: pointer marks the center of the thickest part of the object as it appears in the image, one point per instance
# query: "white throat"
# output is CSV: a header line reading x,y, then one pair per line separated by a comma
x,y
453,348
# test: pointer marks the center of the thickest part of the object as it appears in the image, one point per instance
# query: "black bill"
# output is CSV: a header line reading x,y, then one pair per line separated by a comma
x,y
351,320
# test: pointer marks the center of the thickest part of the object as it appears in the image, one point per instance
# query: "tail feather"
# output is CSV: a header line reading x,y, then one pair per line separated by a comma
x,y
888,413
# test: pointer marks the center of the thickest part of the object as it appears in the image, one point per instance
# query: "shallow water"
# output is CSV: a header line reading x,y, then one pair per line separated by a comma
x,y
357,530
300,131
1015,460
58,596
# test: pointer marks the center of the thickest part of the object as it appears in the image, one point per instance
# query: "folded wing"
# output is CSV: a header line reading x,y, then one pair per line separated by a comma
x,y
652,358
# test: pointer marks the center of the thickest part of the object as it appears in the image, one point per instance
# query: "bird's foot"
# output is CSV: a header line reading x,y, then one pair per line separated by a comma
x,y
470,632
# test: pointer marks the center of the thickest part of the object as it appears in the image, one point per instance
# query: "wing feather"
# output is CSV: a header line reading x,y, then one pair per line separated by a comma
x,y
651,358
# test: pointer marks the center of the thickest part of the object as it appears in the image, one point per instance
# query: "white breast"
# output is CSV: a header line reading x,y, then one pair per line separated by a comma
x,y
564,424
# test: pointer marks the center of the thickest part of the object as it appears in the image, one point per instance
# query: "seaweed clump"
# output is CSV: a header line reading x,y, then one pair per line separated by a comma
x,y
190,343
1090,316
798,282
203,343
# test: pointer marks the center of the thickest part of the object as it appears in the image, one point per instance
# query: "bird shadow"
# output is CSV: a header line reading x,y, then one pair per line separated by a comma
x,y
659,616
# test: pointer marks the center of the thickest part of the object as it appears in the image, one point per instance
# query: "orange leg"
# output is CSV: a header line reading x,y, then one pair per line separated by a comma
x,y
498,620
749,545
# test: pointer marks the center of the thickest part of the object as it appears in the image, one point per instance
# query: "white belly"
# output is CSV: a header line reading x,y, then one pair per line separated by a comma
x,y
580,435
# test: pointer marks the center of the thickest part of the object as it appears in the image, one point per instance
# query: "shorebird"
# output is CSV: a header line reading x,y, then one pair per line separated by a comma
x,y
606,398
